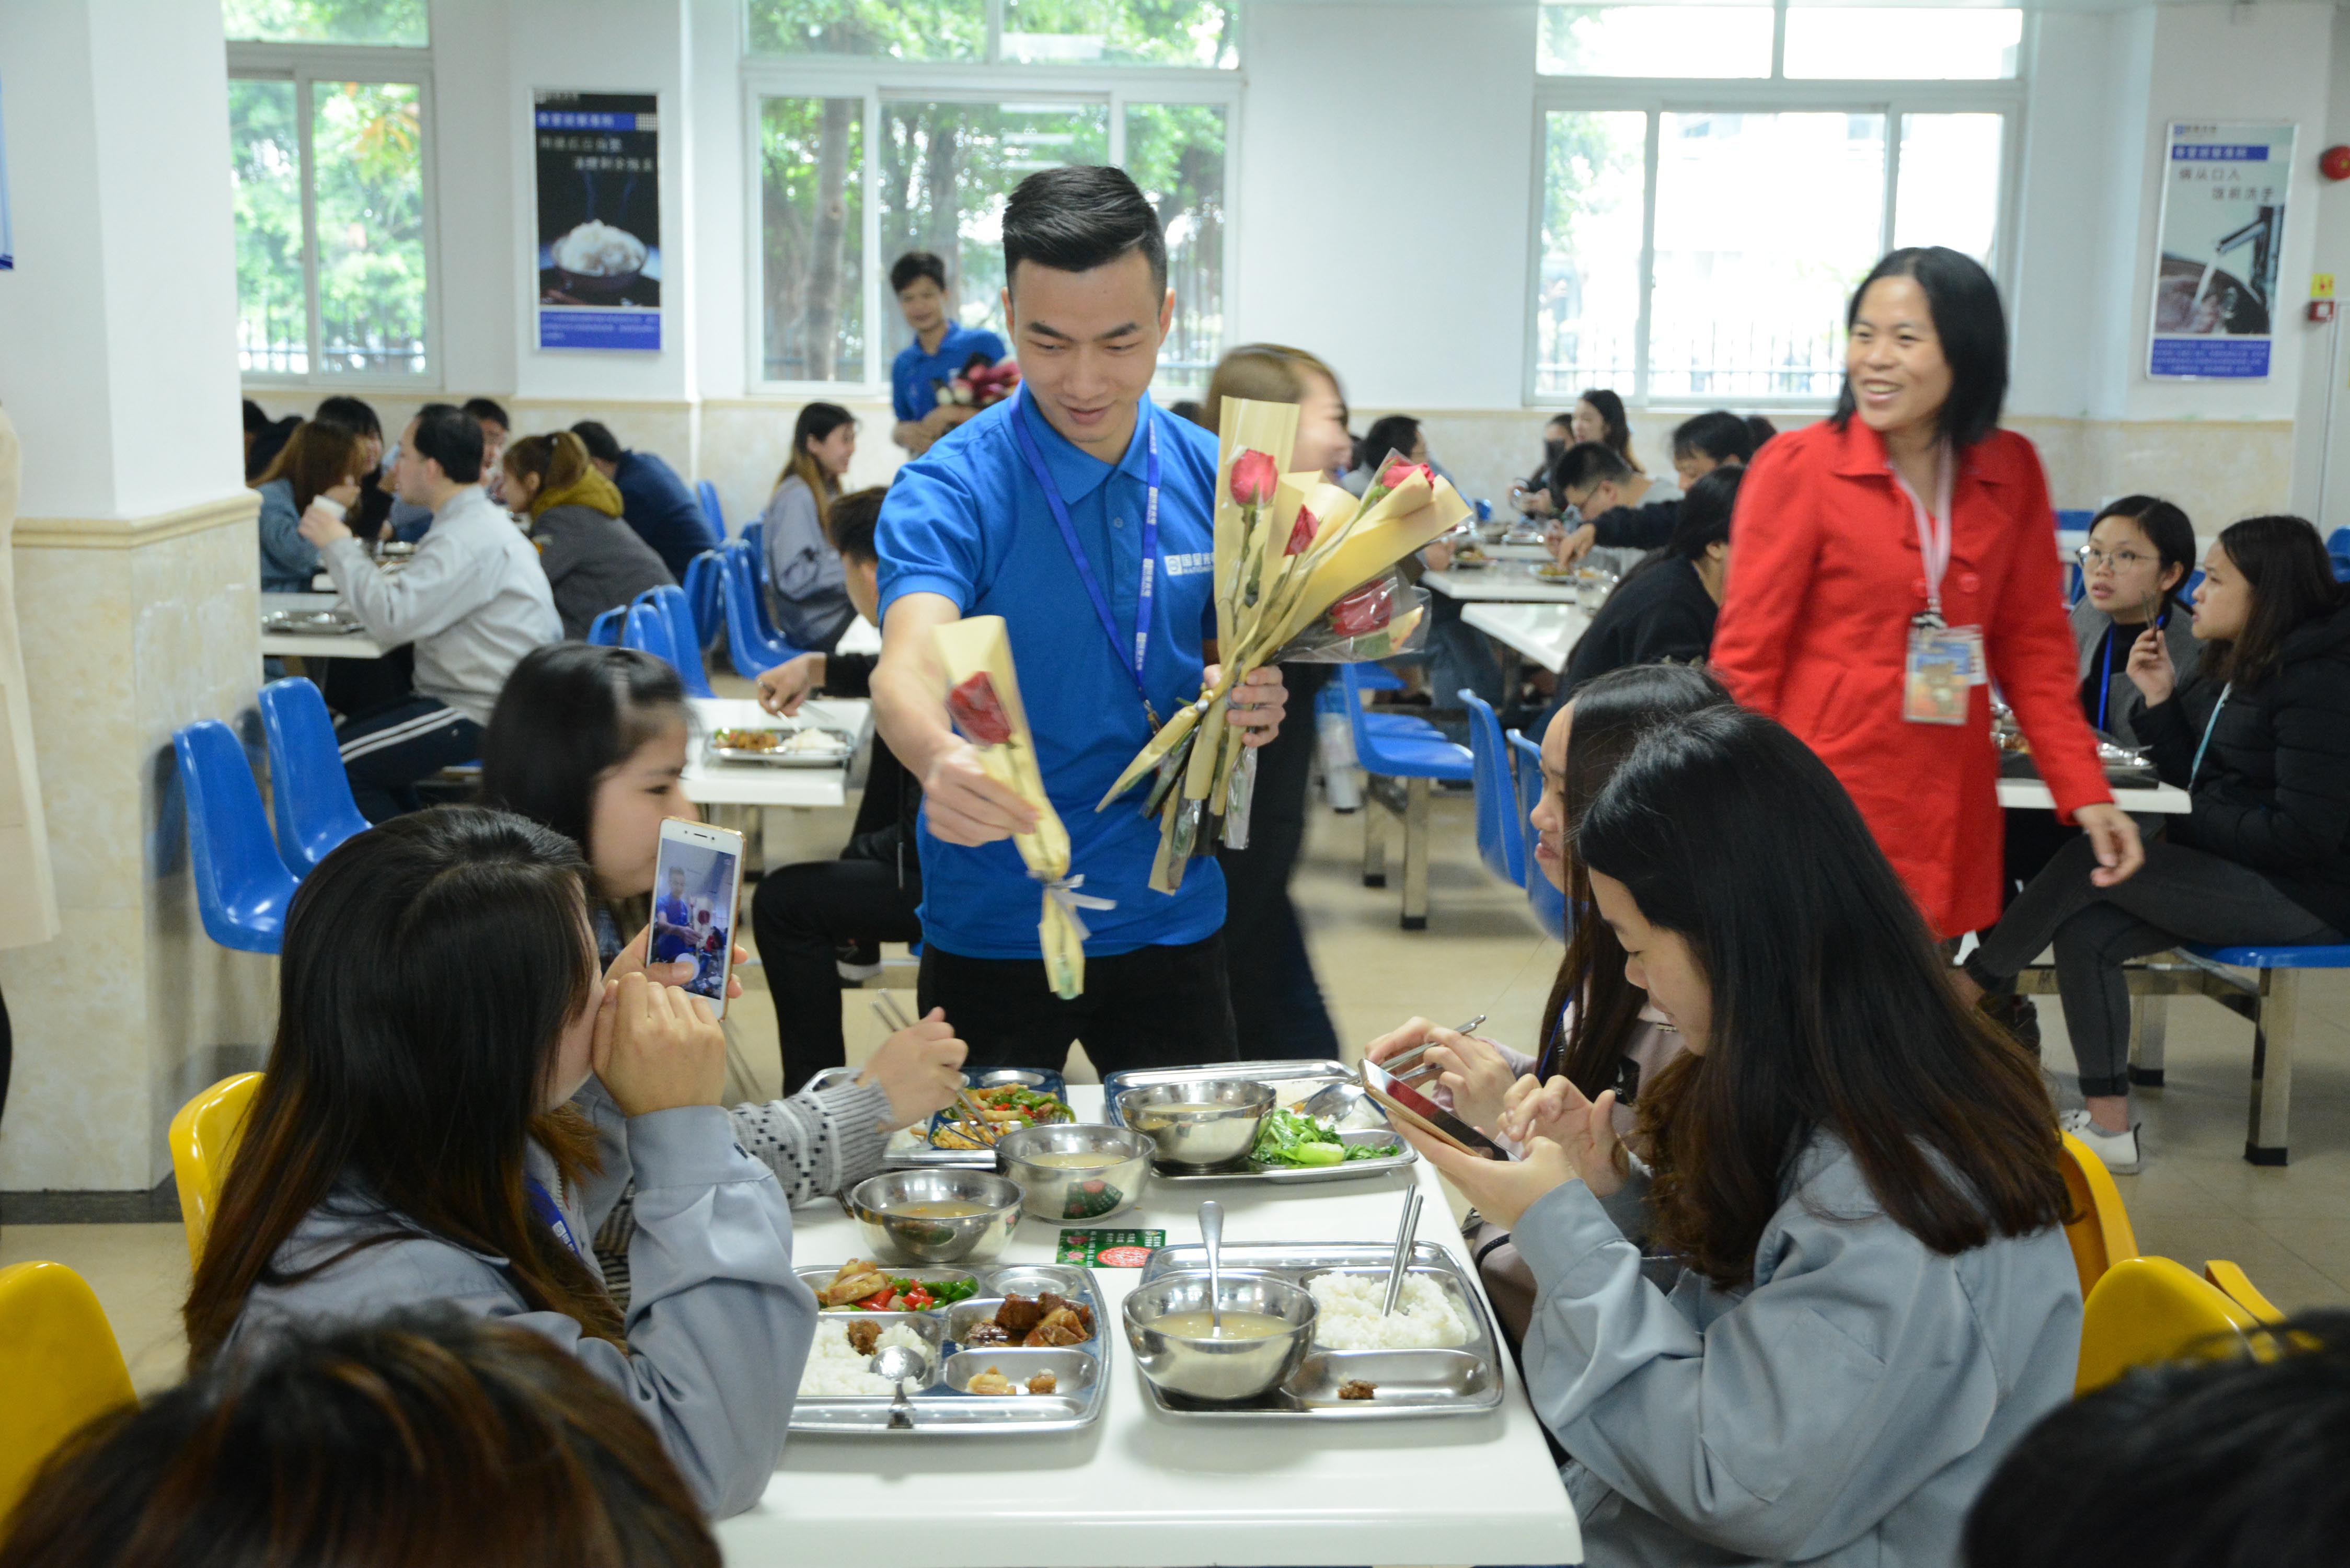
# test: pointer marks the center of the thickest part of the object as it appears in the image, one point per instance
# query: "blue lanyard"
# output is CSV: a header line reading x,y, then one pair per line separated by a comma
x,y
1060,510
2208,725
542,1203
2106,683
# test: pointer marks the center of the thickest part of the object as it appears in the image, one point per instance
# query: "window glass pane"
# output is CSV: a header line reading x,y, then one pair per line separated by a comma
x,y
327,21
1947,193
266,184
1175,152
1587,289
1750,287
1848,42
367,147
1666,40
900,29
946,169
1123,32
812,243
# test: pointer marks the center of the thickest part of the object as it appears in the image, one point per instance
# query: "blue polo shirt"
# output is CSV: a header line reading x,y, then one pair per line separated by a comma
x,y
968,521
914,371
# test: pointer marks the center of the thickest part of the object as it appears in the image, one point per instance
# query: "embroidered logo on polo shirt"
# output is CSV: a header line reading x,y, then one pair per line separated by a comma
x,y
1191,562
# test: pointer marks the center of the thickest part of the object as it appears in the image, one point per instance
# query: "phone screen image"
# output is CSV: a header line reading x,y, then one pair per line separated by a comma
x,y
694,913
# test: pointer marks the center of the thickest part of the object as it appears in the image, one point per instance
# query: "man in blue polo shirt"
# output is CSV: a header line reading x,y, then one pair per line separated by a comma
x,y
942,348
1044,509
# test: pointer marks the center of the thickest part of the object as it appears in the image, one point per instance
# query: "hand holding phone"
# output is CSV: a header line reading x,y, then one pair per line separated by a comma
x,y
658,1048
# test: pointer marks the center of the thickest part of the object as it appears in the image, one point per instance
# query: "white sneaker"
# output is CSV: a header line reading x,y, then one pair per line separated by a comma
x,y
2120,1150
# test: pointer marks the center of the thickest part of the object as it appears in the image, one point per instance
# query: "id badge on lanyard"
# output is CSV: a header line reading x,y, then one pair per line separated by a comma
x,y
1943,661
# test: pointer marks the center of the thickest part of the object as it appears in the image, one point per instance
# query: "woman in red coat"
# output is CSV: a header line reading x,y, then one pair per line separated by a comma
x,y
1890,561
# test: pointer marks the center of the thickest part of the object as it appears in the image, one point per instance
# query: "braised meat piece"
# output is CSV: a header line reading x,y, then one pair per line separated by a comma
x,y
1052,1303
1060,1326
992,1381
1043,1383
1019,1313
983,1333
864,1336
1357,1389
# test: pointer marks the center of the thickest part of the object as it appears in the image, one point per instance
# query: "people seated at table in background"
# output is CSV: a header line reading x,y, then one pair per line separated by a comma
x,y
264,438
496,426
375,502
1894,561
942,349
590,742
661,507
2195,1462
1392,435
1598,1029
813,918
428,1439
458,1095
472,600
1855,1175
594,561
1606,505
1664,609
1599,415
2259,736
318,462
1531,495
1704,442
806,588
1760,428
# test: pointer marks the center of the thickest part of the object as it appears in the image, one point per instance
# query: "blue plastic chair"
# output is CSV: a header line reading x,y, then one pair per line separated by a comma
x,y
2337,547
604,631
243,889
646,629
309,793
754,536
2275,1005
754,543
750,646
684,643
1501,829
703,597
712,510
1547,902
1416,753
1379,678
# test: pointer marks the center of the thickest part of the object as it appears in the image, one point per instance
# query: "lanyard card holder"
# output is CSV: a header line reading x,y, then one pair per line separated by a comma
x,y
1943,662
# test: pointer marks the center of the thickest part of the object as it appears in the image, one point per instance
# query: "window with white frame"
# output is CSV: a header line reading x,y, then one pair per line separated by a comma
x,y
886,126
1714,179
329,107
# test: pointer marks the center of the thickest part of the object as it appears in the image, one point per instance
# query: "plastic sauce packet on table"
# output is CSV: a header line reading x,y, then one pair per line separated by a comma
x,y
1109,1249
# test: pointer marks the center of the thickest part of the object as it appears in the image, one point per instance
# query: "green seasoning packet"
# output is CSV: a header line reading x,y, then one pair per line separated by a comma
x,y
1109,1249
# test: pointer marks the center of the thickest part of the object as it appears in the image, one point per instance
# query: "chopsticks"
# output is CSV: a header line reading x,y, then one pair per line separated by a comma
x,y
1395,1063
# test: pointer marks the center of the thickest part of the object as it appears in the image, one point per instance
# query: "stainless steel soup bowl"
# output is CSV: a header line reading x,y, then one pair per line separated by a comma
x,y
899,1238
1060,1193
1220,1132
1217,1370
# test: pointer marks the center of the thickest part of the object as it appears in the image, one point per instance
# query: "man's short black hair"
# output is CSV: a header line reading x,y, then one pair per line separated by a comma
x,y
487,408
1583,464
256,418
853,520
1719,434
451,438
916,264
601,443
353,414
1078,218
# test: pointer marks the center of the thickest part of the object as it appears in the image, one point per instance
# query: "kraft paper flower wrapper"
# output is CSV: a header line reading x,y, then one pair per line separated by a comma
x,y
1252,431
976,655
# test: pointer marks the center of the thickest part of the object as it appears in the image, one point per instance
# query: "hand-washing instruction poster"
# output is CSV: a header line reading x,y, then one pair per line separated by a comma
x,y
2220,250
599,220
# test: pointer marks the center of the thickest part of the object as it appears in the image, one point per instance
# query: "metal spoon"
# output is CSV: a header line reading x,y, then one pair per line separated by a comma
x,y
897,1362
1402,1250
1211,1237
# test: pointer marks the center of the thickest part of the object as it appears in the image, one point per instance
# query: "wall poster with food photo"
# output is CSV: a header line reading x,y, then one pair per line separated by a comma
x,y
598,256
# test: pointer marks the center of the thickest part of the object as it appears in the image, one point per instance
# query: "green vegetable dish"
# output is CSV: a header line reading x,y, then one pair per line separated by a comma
x,y
1294,1139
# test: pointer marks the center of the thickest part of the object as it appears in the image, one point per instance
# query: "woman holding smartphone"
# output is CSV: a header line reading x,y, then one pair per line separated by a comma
x,y
1856,1175
457,1097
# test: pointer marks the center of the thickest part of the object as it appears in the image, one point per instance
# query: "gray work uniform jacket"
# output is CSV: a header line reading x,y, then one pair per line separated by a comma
x,y
718,1327
1846,1408
473,601
2089,625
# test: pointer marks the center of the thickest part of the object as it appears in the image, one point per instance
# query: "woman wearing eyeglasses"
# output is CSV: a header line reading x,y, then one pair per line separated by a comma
x,y
2134,570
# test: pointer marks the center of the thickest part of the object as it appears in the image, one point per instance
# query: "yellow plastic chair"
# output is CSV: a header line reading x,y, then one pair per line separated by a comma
x,y
59,1363
2102,1236
2147,1311
2238,1288
203,1137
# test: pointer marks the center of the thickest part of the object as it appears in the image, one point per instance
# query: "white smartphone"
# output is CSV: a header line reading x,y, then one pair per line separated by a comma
x,y
697,881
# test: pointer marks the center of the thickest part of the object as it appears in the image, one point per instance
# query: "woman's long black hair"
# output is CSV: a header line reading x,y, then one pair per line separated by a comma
x,y
1618,436
1832,1009
2291,578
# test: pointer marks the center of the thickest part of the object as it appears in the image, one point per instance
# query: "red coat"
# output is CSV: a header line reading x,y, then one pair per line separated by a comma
x,y
1824,574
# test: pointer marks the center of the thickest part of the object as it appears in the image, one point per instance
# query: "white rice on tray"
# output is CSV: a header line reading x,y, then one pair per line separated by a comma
x,y
1424,1317
836,1371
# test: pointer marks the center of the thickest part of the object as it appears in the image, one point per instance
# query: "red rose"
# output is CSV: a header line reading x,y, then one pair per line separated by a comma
x,y
1253,477
1364,612
976,708
1399,473
1302,534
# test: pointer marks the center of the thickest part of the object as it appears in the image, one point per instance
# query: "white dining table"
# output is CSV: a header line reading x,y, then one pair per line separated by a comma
x,y
1544,633
1139,1488
313,645
712,783
2162,800
1505,583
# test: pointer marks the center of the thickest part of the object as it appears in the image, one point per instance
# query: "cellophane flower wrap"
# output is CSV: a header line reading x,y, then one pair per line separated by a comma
x,y
1305,571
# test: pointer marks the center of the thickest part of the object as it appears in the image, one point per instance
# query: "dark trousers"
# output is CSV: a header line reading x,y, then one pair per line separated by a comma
x,y
386,753
800,918
1277,1006
1154,1007
2181,895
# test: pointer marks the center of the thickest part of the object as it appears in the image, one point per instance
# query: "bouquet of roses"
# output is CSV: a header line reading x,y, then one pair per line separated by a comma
x,y
980,384
1303,570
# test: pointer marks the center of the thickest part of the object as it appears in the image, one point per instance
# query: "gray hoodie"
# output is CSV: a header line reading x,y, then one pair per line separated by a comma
x,y
1844,1409
718,1326
2089,625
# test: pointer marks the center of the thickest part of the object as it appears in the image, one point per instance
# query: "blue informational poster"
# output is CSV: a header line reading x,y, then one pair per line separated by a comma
x,y
2220,250
599,262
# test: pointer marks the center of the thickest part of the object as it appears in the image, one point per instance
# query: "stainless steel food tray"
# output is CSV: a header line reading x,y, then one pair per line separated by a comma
x,y
940,1408
832,759
911,1146
310,623
1294,1082
1413,1384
